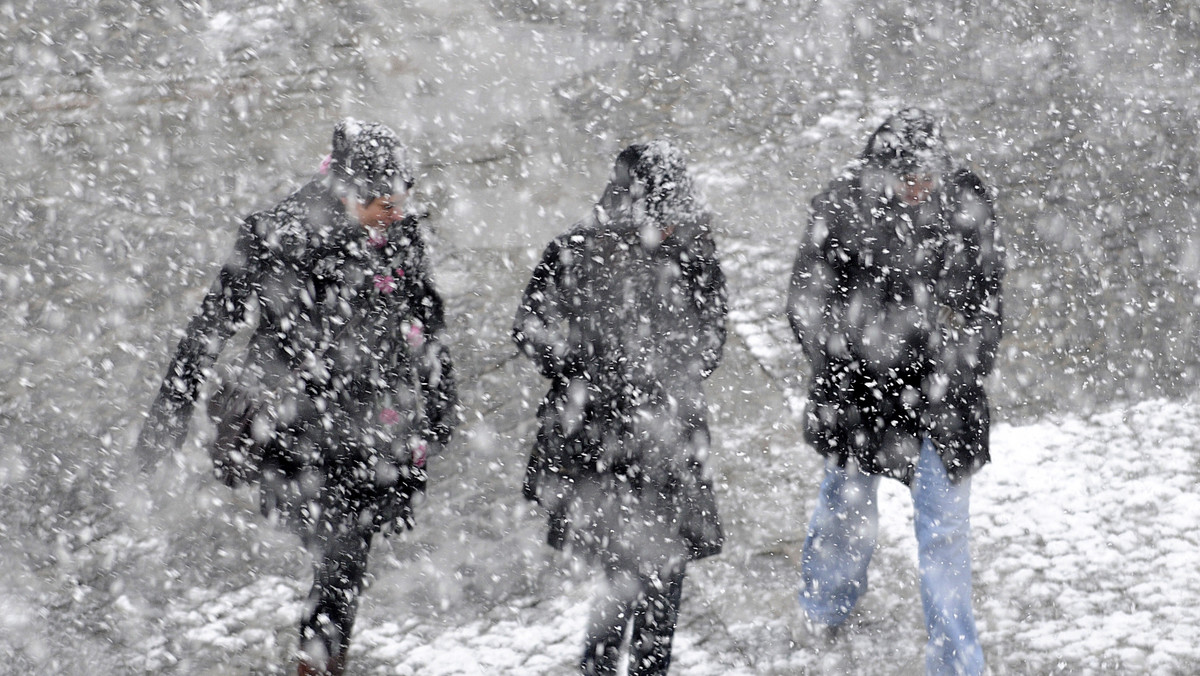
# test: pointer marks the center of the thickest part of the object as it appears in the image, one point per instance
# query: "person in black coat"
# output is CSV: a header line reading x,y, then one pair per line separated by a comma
x,y
896,300
346,386
625,315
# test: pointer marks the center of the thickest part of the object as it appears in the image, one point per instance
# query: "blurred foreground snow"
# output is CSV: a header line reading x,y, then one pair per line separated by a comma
x,y
140,132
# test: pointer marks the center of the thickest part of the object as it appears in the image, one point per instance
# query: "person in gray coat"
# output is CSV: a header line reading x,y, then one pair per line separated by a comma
x,y
896,300
625,315
346,386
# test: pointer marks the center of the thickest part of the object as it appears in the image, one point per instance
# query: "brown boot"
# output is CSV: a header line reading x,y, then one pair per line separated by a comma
x,y
335,667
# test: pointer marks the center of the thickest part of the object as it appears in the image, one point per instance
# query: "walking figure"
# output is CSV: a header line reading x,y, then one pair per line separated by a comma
x,y
625,315
895,298
346,387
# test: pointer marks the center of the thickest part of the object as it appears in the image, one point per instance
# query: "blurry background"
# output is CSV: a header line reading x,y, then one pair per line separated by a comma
x,y
136,134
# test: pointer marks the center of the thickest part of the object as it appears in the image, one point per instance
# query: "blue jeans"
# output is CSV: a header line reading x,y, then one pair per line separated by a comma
x,y
841,539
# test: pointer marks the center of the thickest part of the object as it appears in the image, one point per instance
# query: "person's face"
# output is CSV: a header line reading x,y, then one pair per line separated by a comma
x,y
616,197
916,188
378,213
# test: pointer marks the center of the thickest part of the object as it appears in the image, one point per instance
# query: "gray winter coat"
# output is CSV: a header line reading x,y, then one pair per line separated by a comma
x,y
626,329
900,317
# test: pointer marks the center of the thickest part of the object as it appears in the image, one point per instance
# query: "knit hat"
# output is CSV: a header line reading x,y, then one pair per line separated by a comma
x,y
909,141
659,166
368,160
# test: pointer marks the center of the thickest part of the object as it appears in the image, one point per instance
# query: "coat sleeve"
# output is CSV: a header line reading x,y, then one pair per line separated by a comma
x,y
814,278
435,368
539,328
714,306
972,305
430,309
221,312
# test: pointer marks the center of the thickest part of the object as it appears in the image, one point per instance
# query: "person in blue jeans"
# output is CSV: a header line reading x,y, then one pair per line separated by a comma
x,y
895,298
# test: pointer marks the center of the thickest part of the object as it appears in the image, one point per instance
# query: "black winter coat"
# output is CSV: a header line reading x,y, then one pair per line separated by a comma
x,y
900,318
626,332
345,360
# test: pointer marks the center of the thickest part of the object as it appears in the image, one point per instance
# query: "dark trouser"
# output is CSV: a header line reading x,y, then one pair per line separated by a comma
x,y
339,565
651,605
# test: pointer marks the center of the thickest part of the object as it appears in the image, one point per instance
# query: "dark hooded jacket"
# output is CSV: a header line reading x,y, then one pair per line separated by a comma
x,y
898,308
351,382
626,325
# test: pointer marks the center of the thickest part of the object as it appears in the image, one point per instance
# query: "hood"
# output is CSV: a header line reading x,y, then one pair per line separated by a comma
x,y
651,189
908,142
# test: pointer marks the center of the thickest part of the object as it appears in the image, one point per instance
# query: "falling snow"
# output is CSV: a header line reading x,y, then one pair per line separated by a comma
x,y
137,135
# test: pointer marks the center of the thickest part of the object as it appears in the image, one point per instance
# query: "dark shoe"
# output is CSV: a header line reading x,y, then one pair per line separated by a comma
x,y
818,635
335,667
